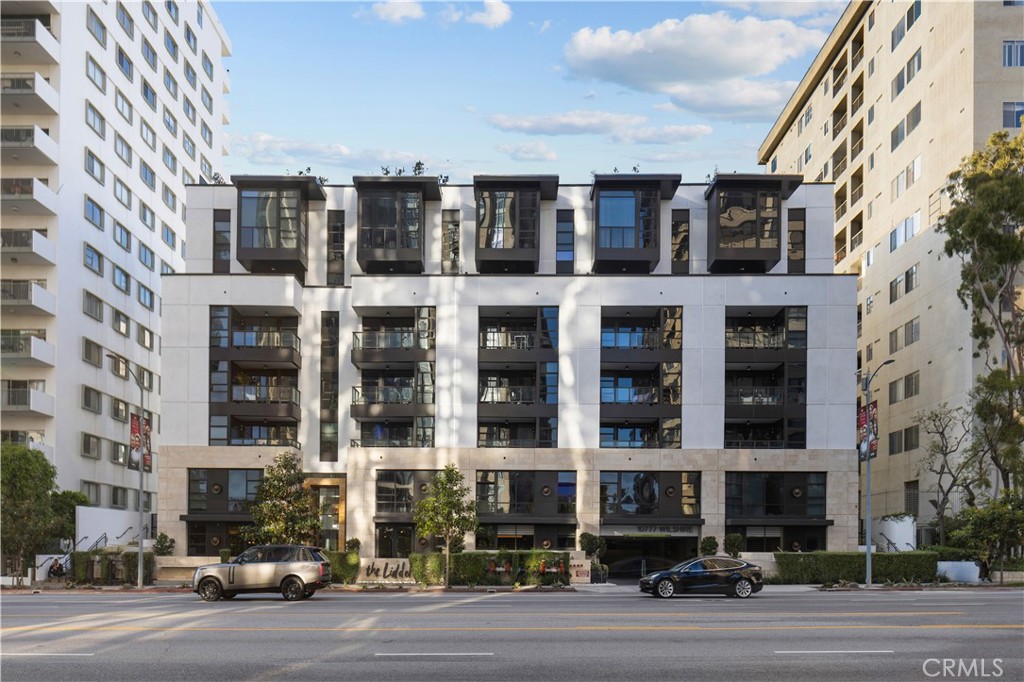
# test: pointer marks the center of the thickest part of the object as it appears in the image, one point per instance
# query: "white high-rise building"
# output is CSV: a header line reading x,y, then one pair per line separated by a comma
x,y
109,110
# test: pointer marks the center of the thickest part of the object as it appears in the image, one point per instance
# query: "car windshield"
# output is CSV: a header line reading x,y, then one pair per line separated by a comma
x,y
251,555
686,564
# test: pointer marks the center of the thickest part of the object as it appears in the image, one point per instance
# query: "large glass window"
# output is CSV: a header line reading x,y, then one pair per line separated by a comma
x,y
242,487
629,492
508,219
748,219
394,540
505,492
759,494
390,219
627,219
395,491
565,241
273,219
797,232
222,241
680,241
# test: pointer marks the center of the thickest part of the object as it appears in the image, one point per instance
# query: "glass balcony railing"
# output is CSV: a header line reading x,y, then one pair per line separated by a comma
x,y
244,393
265,338
508,395
490,507
754,395
400,337
391,395
755,339
514,340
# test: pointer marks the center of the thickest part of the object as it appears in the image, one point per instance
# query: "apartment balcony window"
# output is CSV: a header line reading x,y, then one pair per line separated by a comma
x,y
285,435
638,435
525,433
745,222
411,433
508,221
273,223
505,492
386,339
392,216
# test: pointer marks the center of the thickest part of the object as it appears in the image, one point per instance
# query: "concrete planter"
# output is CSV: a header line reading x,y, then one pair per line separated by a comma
x,y
959,571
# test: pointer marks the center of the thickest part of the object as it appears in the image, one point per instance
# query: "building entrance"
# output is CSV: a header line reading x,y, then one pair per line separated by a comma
x,y
630,557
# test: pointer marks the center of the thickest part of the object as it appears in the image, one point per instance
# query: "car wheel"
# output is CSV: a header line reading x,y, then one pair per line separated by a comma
x,y
308,593
665,588
228,595
292,589
742,588
209,590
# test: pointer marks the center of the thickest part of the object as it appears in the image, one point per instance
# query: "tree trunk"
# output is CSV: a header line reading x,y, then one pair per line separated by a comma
x,y
447,559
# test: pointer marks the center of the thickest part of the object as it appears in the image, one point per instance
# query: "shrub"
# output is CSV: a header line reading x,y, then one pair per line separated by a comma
x,y
947,553
164,545
504,567
353,545
225,556
708,545
593,545
344,565
832,567
733,544
130,561
80,567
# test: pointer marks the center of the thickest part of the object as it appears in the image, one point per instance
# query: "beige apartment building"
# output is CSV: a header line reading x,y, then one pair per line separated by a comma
x,y
897,96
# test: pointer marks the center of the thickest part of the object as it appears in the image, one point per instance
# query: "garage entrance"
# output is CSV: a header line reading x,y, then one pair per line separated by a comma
x,y
629,557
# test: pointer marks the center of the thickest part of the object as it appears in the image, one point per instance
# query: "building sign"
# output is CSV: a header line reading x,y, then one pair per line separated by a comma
x,y
579,571
385,571
674,530
139,450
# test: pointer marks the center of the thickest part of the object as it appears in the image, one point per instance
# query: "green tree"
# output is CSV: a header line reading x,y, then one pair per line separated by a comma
x,y
285,510
994,529
63,504
26,513
998,430
949,431
985,230
447,512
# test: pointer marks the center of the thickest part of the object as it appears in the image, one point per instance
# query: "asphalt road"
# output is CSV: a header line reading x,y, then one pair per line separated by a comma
x,y
602,633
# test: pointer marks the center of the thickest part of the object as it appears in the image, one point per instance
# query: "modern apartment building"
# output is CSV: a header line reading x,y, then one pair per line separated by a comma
x,y
109,110
900,93
637,358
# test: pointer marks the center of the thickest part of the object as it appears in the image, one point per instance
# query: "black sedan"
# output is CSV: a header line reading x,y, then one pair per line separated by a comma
x,y
732,577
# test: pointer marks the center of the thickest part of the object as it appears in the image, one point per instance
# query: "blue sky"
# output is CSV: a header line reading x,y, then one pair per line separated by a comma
x,y
494,87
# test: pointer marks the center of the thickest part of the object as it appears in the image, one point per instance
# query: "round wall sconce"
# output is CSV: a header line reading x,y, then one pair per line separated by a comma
x,y
670,491
545,491
216,488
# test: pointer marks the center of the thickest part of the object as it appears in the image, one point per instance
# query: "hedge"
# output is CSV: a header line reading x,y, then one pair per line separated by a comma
x,y
803,568
504,567
344,566
130,561
81,562
947,553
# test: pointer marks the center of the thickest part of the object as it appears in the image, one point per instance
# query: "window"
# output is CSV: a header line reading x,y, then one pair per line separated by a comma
x,y
92,306
123,149
895,391
912,384
118,409
190,75
146,297
680,241
93,260
335,245
170,199
93,213
186,179
118,453
170,160
125,19
149,54
146,215
118,497
122,193
797,222
92,352
95,120
96,27
149,94
627,218
896,289
207,99
125,64
172,10
190,38
905,23
912,331
207,66
122,280
91,449
205,168
1012,114
94,73
165,269
171,84
171,45
1013,53
149,13
145,377
146,256
207,134
148,134
124,107
95,167
911,278
92,491
120,323
92,400
122,236
189,109
904,231
911,438
895,442
169,237
911,498
807,154
144,336
190,149
871,114
565,241
199,14
805,120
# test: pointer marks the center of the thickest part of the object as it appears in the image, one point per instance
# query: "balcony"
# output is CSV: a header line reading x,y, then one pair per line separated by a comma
x,y
267,402
387,402
512,340
508,395
27,94
272,347
508,226
27,247
841,210
856,194
21,348
26,401
856,240
754,395
756,340
25,297
838,168
26,42
838,80
375,349
838,125
858,101
27,196
840,254
27,146
858,56
856,148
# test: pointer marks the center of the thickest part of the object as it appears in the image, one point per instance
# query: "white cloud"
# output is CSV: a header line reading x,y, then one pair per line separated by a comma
x,y
545,25
590,95
528,151
264,149
398,11
791,8
495,14
686,60
578,122
662,135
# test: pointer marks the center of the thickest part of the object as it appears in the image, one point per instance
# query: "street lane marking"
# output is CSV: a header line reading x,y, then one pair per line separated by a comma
x,y
438,654
11,653
841,651
512,628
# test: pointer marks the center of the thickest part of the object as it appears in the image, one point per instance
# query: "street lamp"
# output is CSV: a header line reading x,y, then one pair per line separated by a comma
x,y
142,468
865,453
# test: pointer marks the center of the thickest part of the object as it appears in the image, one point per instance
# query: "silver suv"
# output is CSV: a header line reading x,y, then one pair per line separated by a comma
x,y
297,571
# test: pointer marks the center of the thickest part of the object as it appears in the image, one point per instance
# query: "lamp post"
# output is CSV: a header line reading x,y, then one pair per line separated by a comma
x,y
865,452
142,468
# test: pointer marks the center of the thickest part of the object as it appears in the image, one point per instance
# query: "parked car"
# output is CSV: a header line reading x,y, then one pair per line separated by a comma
x,y
732,577
296,571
